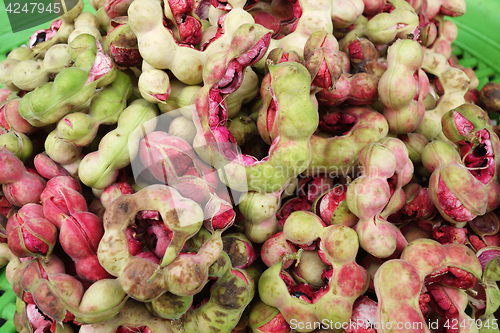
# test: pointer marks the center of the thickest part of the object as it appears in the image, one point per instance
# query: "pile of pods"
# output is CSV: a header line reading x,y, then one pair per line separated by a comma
x,y
249,166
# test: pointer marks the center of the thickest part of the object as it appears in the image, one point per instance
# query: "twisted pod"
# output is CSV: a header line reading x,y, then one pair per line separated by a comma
x,y
73,86
312,16
398,300
145,280
59,31
79,230
133,315
39,43
286,95
172,161
29,74
342,135
19,186
455,84
371,198
61,296
399,20
403,87
117,148
346,280
105,109
75,130
160,49
230,294
30,234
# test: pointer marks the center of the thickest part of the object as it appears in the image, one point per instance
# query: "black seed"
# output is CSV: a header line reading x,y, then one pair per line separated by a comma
x,y
40,38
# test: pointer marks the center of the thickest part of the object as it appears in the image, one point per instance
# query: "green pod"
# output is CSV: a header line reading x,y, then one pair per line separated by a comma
x,y
81,128
430,101
415,144
397,87
106,108
245,93
292,153
428,256
243,128
340,246
121,43
309,269
185,94
439,153
239,249
383,28
111,299
489,280
261,314
456,193
255,271
7,66
408,284
170,306
470,128
18,143
29,74
462,123
302,227
259,210
195,242
154,85
455,84
53,100
183,128
117,148
32,276
331,206
230,295
334,155
75,126
6,69
60,150
86,23
21,53
220,266
104,20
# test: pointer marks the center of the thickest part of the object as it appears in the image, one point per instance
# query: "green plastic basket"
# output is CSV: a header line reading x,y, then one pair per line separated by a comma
x,y
7,305
10,40
477,46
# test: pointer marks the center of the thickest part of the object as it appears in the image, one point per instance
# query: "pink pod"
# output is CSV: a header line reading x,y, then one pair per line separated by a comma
x,y
4,93
275,248
57,183
47,168
59,208
79,237
113,191
80,234
29,233
89,269
10,119
20,186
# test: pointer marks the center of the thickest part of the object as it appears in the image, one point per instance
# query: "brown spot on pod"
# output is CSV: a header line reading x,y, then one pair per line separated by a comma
x,y
123,207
